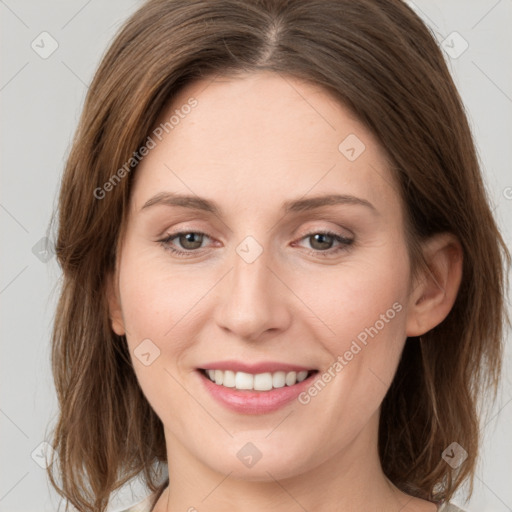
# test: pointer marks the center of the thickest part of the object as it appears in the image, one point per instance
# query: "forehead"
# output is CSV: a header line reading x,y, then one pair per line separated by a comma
x,y
260,137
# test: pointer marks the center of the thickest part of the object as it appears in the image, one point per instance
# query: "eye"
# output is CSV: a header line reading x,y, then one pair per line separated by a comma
x,y
322,242
189,240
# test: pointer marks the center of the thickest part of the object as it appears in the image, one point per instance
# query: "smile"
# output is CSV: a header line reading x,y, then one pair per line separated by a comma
x,y
259,388
256,382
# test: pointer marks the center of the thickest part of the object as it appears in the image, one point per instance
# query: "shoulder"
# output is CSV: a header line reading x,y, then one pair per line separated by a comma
x,y
448,507
142,506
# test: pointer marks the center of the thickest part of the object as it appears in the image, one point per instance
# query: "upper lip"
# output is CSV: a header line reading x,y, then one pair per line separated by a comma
x,y
254,368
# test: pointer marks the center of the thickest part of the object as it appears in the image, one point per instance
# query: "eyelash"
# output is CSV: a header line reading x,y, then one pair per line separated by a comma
x,y
346,243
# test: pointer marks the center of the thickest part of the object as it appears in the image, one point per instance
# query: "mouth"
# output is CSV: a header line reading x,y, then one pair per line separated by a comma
x,y
267,381
247,393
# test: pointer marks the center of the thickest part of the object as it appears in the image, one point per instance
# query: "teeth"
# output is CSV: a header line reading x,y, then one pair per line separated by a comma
x,y
291,378
243,380
301,375
229,379
263,381
258,382
279,379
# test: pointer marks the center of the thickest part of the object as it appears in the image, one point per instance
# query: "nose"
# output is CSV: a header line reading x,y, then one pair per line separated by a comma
x,y
253,299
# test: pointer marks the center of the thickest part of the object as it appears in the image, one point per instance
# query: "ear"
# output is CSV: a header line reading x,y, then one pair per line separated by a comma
x,y
114,306
436,288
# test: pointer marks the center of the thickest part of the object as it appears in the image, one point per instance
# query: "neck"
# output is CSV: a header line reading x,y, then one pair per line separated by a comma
x,y
349,481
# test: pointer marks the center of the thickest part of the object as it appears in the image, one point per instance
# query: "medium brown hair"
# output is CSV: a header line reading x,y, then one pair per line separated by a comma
x,y
380,60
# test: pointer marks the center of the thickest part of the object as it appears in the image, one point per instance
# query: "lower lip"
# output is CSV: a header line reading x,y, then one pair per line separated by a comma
x,y
255,402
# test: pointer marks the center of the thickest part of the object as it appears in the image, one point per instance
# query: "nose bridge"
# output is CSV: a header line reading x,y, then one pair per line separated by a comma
x,y
251,302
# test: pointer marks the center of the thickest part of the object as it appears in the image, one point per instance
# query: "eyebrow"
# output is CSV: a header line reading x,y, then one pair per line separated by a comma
x,y
298,205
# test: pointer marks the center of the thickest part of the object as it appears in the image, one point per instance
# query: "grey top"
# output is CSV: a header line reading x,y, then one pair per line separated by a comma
x,y
448,507
143,506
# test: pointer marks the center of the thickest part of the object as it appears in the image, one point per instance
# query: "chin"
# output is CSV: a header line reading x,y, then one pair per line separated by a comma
x,y
261,460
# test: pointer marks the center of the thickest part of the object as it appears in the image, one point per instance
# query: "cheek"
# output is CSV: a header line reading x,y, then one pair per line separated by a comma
x,y
154,299
160,309
366,318
362,308
358,299
155,304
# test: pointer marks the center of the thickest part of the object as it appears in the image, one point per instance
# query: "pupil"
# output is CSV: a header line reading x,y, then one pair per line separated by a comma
x,y
319,237
189,239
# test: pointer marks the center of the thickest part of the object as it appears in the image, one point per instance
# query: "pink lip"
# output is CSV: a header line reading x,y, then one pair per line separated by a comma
x,y
254,402
263,367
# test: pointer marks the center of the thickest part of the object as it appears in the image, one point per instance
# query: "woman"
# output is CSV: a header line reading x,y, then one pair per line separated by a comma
x,y
282,276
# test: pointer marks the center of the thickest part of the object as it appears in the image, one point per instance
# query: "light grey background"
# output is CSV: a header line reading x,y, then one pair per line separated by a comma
x,y
41,99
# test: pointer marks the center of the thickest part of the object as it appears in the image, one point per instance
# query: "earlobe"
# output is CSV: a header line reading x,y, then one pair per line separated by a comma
x,y
114,307
434,295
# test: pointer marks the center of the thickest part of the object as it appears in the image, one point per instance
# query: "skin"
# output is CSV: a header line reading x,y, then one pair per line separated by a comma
x,y
253,142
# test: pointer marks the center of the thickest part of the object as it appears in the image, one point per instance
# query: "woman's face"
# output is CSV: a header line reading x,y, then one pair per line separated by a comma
x,y
260,288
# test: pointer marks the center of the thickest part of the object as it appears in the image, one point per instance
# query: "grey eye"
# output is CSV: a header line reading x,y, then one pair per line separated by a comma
x,y
190,240
321,241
